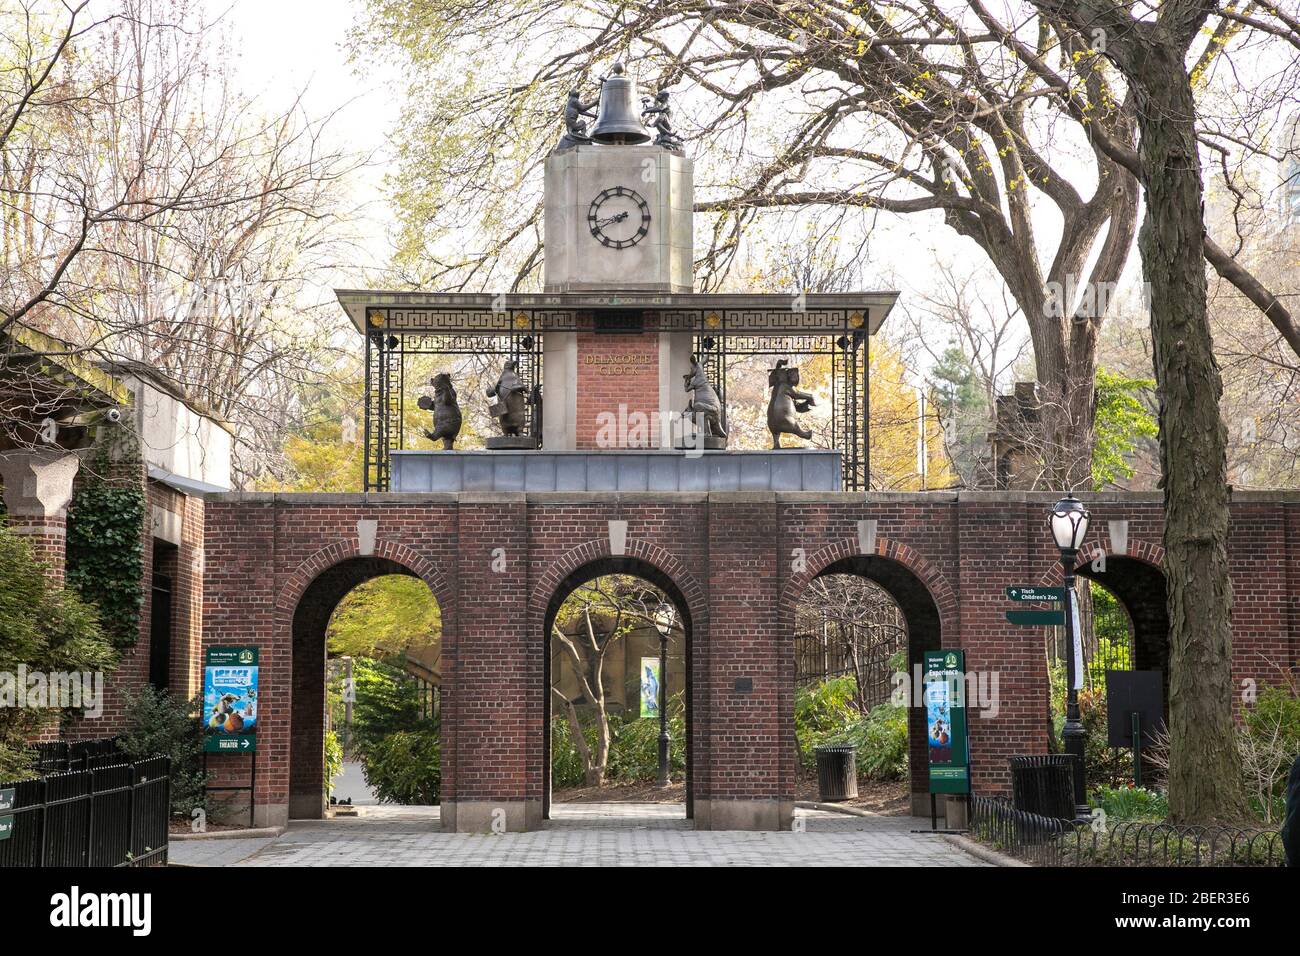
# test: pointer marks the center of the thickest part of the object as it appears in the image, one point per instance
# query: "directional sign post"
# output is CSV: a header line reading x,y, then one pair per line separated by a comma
x,y
1030,594
1037,618
6,804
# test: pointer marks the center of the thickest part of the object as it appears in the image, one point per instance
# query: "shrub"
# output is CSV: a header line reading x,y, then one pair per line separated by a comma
x,y
47,628
824,713
566,764
333,760
633,748
405,766
158,723
1268,740
1125,803
881,739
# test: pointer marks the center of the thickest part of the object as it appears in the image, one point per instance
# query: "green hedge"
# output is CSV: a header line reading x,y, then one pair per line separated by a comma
x,y
825,713
633,748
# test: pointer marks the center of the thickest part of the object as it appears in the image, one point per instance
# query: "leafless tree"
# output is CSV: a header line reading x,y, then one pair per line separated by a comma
x,y
156,215
590,624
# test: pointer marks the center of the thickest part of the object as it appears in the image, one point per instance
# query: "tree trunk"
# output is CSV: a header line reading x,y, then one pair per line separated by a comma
x,y
1204,767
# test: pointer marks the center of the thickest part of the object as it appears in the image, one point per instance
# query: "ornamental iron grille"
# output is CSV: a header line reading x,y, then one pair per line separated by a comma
x,y
396,336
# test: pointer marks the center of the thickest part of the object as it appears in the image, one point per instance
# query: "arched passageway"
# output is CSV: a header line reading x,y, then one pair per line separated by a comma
x,y
583,575
922,623
308,715
1140,589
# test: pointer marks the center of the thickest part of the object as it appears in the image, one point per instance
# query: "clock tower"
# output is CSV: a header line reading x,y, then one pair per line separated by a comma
x,y
618,222
618,219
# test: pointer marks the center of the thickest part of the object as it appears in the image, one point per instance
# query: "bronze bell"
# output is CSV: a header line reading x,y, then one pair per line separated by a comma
x,y
619,121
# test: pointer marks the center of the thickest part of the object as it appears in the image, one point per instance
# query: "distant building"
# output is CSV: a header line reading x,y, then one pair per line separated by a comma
x,y
1290,171
1016,420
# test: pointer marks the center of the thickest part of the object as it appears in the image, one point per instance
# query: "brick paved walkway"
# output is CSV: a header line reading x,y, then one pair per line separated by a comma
x,y
594,834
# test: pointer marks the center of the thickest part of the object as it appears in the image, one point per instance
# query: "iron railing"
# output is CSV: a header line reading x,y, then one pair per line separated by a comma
x,y
1047,841
75,755
114,812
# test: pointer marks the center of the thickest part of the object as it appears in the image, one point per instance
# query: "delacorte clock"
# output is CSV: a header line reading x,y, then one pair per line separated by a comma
x,y
619,217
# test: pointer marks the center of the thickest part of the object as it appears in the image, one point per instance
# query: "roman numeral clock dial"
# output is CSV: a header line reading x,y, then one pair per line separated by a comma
x,y
619,217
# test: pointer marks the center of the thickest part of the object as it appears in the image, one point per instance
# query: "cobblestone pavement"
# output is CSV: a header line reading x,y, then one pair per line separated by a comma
x,y
594,834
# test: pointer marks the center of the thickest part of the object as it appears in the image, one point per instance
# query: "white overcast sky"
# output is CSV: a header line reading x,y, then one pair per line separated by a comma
x,y
288,46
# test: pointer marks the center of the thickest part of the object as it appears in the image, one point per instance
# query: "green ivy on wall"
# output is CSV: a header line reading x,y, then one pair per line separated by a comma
x,y
105,560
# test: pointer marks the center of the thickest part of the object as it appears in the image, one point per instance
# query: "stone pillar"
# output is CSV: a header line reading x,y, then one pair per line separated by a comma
x,y
37,489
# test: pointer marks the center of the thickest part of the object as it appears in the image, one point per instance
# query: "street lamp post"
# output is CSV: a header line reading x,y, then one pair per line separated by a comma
x,y
1069,524
665,617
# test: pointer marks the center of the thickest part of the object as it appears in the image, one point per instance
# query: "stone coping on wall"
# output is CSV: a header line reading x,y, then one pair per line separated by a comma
x,y
617,470
398,498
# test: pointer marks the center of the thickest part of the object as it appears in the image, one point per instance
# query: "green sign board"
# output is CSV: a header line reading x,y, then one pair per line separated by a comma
x,y
944,683
1036,618
1035,595
7,800
230,700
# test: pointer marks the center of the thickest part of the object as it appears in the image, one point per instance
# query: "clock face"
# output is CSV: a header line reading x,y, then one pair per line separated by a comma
x,y
619,217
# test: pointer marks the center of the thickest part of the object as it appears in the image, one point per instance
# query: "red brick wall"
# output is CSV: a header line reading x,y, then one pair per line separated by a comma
x,y
741,561
185,565
618,378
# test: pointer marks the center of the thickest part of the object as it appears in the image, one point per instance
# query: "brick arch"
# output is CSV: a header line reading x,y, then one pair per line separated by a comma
x,y
945,599
1139,550
675,573
345,549
598,549
1147,612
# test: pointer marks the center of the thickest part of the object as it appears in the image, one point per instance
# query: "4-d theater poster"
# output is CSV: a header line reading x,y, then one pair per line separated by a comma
x,y
944,680
230,700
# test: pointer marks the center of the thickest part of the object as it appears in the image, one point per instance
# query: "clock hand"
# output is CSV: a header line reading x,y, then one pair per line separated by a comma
x,y
611,220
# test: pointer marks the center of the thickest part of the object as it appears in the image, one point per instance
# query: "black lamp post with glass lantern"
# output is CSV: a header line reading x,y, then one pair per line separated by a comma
x,y
665,618
1069,524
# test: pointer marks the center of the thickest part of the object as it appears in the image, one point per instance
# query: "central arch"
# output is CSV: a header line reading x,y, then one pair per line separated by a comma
x,y
689,615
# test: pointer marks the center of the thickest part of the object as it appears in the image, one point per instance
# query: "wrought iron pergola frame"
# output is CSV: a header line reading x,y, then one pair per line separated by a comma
x,y
398,326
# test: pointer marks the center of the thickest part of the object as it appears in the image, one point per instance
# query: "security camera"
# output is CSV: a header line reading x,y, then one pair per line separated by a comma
x,y
114,415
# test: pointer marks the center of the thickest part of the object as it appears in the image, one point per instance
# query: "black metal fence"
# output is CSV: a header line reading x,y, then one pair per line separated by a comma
x,y
110,811
75,755
1048,841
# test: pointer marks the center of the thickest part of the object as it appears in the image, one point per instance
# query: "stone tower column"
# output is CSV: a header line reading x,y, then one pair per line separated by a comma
x,y
618,220
37,489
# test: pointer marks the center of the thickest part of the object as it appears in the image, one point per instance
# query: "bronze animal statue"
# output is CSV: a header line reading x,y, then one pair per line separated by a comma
x,y
446,413
785,402
512,399
704,408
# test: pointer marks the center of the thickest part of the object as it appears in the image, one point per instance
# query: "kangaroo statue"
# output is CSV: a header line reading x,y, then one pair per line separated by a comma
x,y
704,408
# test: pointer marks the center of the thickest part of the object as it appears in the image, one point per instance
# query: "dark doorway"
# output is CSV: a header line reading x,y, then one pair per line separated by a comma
x,y
160,632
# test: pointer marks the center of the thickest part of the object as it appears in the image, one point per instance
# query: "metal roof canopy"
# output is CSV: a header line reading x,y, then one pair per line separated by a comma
x,y
502,313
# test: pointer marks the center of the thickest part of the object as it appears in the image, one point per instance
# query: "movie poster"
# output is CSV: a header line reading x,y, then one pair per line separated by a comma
x,y
230,699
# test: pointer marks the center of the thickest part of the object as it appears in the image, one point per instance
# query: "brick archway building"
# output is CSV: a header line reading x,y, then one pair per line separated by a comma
x,y
740,560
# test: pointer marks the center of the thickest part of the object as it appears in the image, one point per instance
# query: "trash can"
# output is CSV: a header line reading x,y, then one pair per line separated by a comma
x,y
1044,784
837,772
